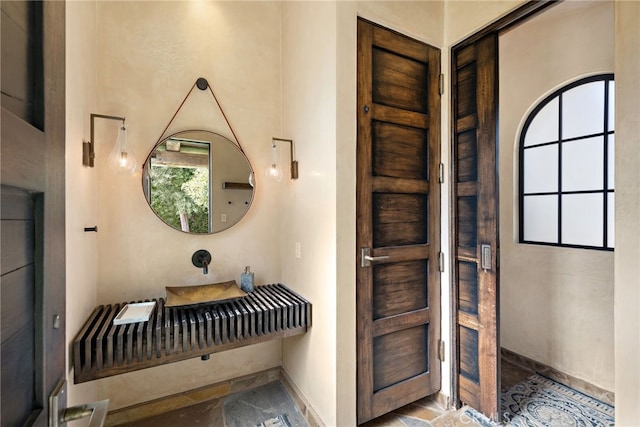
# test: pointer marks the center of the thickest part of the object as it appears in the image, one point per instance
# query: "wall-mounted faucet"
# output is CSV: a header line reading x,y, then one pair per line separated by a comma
x,y
202,259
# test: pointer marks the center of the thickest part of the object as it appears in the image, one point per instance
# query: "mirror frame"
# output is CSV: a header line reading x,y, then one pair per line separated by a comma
x,y
217,138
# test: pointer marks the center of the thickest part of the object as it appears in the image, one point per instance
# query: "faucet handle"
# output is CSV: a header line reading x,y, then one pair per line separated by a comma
x,y
202,259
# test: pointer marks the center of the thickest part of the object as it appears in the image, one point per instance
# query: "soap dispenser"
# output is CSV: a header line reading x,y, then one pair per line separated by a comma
x,y
246,280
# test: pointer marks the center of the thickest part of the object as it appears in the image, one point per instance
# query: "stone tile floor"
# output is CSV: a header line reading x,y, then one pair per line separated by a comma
x,y
243,409
417,414
251,407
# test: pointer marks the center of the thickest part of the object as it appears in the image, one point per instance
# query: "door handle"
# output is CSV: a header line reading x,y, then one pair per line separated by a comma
x,y
366,259
485,257
97,411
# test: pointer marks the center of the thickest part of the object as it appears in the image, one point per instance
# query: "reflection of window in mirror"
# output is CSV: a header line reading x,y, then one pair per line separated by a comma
x,y
179,188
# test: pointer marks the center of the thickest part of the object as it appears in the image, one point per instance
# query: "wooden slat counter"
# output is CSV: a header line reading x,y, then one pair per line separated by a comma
x,y
102,349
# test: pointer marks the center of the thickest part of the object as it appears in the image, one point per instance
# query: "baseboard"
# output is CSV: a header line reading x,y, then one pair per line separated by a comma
x,y
191,397
559,376
300,400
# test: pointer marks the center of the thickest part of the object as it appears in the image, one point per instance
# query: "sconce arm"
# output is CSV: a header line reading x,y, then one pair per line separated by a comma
x,y
294,162
88,153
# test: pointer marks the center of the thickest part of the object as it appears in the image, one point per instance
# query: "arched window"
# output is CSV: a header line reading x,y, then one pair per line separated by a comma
x,y
566,167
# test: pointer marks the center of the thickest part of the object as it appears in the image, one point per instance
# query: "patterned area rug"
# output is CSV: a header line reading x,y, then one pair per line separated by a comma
x,y
541,402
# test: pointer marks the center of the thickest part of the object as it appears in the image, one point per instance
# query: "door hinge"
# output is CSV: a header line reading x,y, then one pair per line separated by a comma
x,y
441,350
441,262
441,84
441,173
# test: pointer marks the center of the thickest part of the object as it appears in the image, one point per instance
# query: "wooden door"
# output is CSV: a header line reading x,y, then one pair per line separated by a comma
x,y
475,204
33,223
398,220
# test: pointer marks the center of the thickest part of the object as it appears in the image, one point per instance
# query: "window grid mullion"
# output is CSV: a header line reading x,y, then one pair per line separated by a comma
x,y
572,139
563,193
560,168
605,180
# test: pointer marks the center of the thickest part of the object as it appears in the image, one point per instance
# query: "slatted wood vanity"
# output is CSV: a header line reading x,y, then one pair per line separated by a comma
x,y
102,349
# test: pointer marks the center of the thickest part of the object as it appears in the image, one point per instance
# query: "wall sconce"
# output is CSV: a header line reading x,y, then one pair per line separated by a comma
x,y
121,159
274,171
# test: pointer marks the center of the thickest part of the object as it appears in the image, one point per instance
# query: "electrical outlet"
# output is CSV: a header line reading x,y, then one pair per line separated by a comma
x,y
298,251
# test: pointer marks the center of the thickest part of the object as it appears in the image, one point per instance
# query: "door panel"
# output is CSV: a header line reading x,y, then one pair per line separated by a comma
x,y
475,210
400,355
399,151
398,223
399,219
392,296
399,81
17,300
18,378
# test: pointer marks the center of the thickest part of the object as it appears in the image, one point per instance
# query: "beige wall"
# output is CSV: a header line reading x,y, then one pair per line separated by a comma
x,y
81,198
149,56
556,304
465,17
308,211
627,253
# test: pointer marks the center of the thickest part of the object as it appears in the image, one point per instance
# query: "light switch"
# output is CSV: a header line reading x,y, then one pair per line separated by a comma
x,y
298,251
223,217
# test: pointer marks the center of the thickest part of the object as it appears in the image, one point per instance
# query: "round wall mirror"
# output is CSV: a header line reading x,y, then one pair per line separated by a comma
x,y
198,182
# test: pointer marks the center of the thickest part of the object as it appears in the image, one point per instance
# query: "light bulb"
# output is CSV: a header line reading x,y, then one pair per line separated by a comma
x,y
121,160
274,171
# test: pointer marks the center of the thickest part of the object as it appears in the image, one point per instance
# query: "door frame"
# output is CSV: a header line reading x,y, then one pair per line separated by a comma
x,y
515,17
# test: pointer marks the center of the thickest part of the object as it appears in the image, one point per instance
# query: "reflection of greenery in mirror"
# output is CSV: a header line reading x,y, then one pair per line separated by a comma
x,y
180,184
197,182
